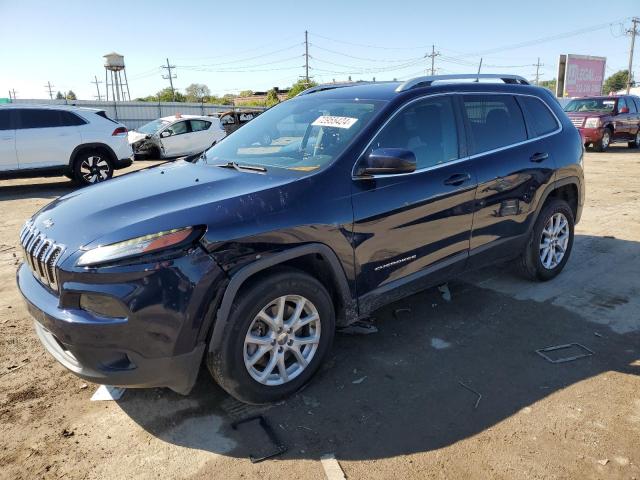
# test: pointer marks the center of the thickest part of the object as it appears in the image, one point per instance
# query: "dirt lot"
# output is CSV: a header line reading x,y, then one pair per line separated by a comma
x,y
389,405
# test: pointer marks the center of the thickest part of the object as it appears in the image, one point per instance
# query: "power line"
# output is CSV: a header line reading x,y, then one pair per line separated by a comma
x,y
170,76
49,87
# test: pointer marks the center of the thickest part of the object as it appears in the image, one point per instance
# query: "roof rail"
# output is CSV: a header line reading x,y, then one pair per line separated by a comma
x,y
331,86
427,81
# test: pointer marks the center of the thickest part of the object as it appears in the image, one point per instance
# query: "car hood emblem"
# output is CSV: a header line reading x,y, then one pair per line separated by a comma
x,y
48,223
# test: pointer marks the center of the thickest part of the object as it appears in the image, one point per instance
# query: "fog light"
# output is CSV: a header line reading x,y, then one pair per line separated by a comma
x,y
102,305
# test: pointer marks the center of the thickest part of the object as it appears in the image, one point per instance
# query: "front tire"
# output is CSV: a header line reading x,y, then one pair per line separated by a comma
x,y
550,243
603,144
91,167
279,330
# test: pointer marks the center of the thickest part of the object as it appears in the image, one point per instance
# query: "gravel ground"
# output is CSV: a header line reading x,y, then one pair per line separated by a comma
x,y
388,405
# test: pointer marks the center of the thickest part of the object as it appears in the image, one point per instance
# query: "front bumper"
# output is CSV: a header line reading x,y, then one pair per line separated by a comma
x,y
158,345
591,135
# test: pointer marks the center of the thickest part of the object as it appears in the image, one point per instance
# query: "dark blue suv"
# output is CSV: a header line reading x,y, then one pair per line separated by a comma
x,y
310,217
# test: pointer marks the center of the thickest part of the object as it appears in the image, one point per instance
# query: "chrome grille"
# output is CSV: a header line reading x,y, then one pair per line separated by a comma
x,y
577,121
41,254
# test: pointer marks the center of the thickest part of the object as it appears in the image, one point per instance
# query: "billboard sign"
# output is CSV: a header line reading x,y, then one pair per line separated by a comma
x,y
583,75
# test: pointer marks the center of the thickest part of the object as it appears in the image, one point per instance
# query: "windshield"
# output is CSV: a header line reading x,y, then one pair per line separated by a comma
x,y
604,105
153,127
302,134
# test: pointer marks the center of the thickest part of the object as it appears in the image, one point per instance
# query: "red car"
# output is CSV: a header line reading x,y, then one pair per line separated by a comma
x,y
605,120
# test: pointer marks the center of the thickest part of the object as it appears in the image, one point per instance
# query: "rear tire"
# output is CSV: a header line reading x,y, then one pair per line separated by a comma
x,y
550,243
603,144
256,332
91,167
635,143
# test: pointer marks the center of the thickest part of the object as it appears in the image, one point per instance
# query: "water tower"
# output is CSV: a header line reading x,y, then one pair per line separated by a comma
x,y
114,68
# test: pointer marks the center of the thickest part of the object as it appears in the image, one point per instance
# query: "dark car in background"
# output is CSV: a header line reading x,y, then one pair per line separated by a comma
x,y
249,259
606,120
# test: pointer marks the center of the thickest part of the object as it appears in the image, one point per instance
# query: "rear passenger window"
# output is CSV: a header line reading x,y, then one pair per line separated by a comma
x,y
199,125
539,117
34,118
427,128
5,120
494,121
68,119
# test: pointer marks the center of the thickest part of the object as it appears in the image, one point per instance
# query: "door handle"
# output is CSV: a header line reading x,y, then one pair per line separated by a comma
x,y
457,179
539,157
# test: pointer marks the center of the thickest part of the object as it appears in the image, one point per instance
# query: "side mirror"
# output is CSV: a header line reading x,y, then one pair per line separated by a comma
x,y
387,161
624,110
165,134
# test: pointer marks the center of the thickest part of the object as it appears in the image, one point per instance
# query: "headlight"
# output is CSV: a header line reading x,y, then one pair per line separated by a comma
x,y
592,122
135,246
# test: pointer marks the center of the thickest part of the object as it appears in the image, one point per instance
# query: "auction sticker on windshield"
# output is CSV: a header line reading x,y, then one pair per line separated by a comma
x,y
335,122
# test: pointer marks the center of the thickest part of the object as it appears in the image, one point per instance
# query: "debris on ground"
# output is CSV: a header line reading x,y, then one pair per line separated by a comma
x,y
398,311
67,433
359,380
439,344
359,327
310,401
107,392
445,292
603,461
472,390
331,467
278,447
582,352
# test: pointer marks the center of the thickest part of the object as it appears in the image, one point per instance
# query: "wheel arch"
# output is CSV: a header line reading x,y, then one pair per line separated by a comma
x,y
567,189
306,258
92,146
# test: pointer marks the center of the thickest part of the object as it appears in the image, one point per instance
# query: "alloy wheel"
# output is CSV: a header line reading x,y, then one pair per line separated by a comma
x,y
554,241
282,340
94,169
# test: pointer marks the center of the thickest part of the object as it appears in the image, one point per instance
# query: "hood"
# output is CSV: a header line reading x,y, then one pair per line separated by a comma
x,y
169,196
588,114
134,136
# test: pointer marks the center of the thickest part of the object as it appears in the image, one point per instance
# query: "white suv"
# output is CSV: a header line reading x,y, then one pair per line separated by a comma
x,y
44,140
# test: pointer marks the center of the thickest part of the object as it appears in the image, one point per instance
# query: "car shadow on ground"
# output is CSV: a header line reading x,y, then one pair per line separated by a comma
x,y
48,190
408,388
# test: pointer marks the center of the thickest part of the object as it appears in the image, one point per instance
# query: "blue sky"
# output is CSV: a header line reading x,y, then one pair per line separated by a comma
x,y
232,46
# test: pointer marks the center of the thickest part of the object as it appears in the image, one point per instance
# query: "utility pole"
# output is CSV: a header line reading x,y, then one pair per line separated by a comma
x,y
433,56
13,90
538,65
306,56
10,94
49,87
97,87
633,31
170,77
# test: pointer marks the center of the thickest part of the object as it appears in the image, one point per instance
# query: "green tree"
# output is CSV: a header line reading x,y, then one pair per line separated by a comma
x,y
166,95
197,92
550,84
71,95
59,96
299,86
245,93
272,97
616,82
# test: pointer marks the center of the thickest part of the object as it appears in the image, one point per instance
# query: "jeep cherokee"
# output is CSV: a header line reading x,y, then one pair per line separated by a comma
x,y
250,258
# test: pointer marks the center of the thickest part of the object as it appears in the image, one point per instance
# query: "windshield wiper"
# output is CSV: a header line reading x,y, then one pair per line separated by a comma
x,y
239,167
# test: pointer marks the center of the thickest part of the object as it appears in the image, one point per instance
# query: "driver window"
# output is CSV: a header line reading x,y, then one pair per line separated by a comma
x,y
178,128
427,128
621,104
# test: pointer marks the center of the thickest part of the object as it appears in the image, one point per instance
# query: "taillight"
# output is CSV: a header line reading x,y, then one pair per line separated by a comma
x,y
119,131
